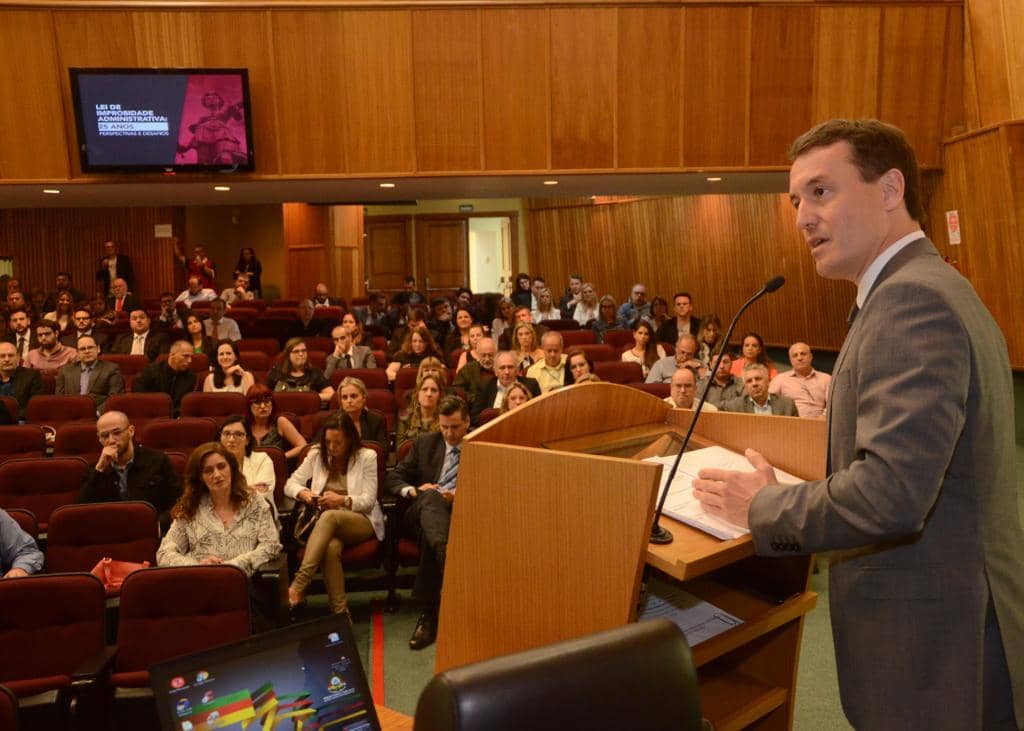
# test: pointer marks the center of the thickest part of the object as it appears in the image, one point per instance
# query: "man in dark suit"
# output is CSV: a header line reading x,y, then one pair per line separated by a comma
x,y
919,510
756,399
129,471
492,395
63,285
477,373
122,302
82,319
15,381
427,476
321,297
114,266
173,376
20,333
346,355
309,326
683,322
141,340
90,376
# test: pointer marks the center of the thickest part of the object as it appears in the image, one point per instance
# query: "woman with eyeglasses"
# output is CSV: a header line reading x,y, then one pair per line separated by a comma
x,y
268,428
217,519
257,467
294,373
607,317
342,479
228,376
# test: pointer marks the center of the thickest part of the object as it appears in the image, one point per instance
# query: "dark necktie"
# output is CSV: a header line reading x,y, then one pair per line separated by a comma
x,y
348,360
21,347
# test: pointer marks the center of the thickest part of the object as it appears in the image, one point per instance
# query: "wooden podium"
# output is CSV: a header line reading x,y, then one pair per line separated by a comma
x,y
550,537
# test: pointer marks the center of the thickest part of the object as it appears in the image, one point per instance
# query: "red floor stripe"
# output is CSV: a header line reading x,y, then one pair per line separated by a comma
x,y
377,652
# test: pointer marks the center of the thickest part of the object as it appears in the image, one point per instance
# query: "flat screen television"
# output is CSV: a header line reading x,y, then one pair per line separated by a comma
x,y
163,120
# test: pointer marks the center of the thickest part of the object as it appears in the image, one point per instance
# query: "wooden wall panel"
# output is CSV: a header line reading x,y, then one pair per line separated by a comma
x,y
720,248
914,39
781,65
243,39
716,93
988,63
377,66
30,85
515,48
649,87
388,250
846,62
307,237
447,89
170,38
310,91
583,69
45,241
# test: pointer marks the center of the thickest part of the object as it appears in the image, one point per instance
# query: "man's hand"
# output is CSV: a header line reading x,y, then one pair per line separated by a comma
x,y
107,457
449,497
427,486
16,574
727,494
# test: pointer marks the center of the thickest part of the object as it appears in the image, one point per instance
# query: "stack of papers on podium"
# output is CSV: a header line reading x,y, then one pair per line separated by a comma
x,y
684,507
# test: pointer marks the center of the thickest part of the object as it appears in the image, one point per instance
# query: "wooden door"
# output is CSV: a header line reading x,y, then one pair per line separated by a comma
x,y
388,251
442,252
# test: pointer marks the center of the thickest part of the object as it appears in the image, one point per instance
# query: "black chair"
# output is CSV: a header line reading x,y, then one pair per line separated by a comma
x,y
640,676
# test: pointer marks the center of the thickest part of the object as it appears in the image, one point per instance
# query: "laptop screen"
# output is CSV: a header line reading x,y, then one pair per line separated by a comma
x,y
307,676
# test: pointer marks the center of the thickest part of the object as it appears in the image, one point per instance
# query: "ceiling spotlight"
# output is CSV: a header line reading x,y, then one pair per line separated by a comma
x,y
222,188
51,191
550,182
387,185
714,180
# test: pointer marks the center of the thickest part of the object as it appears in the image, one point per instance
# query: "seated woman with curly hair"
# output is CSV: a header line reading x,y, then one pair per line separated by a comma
x,y
342,477
218,519
419,344
422,416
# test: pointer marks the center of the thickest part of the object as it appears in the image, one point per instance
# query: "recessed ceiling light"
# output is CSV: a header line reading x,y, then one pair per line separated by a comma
x,y
222,188
387,185
714,180
550,182
51,191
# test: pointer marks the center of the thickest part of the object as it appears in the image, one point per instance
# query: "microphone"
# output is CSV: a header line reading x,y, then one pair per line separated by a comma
x,y
661,535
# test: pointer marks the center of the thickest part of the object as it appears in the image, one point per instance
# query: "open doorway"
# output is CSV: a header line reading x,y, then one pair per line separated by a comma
x,y
490,254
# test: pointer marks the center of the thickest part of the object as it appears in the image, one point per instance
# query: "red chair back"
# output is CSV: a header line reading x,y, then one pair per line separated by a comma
x,y
177,610
217,406
178,461
56,410
254,360
383,401
23,440
141,407
599,352
309,424
41,485
184,434
578,337
619,338
270,346
77,439
320,345
129,364
299,403
49,625
79,536
280,470
26,520
561,325
661,390
488,414
372,377
284,303
619,372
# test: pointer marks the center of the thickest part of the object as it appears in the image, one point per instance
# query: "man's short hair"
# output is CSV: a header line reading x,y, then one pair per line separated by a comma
x,y
16,310
576,276
553,334
876,147
687,295
80,338
755,367
48,324
437,302
451,404
64,274
686,336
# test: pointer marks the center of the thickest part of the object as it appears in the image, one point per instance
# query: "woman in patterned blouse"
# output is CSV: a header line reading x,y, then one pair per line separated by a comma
x,y
218,519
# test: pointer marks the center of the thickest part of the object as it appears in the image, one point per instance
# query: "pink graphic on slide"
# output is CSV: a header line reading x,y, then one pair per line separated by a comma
x,y
212,130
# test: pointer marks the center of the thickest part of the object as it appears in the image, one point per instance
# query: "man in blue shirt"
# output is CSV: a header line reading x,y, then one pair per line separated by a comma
x,y
19,554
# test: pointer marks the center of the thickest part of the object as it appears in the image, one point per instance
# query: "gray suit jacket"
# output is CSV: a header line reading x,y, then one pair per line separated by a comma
x,y
781,406
362,357
920,501
104,380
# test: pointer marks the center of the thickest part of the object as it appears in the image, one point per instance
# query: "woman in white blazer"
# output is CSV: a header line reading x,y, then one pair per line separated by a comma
x,y
342,477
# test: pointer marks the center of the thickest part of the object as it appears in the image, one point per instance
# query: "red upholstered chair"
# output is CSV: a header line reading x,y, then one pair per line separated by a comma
x,y
378,342
331,315
77,439
284,303
8,709
49,384
309,424
372,377
23,440
488,414
79,536
177,610
141,407
599,352
254,304
50,624
254,360
561,325
269,346
56,410
661,390
217,406
384,401
578,337
184,434
41,485
273,328
129,364
619,338
26,520
280,471
280,312
299,403
11,404
320,345
619,372
178,461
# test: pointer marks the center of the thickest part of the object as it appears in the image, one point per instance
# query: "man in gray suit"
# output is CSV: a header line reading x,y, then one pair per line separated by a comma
x,y
90,376
756,399
920,506
346,355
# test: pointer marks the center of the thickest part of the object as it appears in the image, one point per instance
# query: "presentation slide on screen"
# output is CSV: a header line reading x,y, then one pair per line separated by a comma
x,y
163,119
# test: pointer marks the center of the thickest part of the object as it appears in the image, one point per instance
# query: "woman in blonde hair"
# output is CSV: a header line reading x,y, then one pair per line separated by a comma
x,y
422,416
525,347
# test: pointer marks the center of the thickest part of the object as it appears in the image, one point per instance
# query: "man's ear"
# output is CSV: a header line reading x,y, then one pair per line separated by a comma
x,y
893,188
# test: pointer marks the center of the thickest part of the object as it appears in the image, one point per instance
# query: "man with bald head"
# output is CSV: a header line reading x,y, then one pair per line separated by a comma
x,y
550,372
129,471
17,382
121,301
173,376
807,387
492,394
683,393
475,374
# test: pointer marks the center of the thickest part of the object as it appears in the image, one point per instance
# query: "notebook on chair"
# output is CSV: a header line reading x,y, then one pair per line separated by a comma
x,y
306,676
